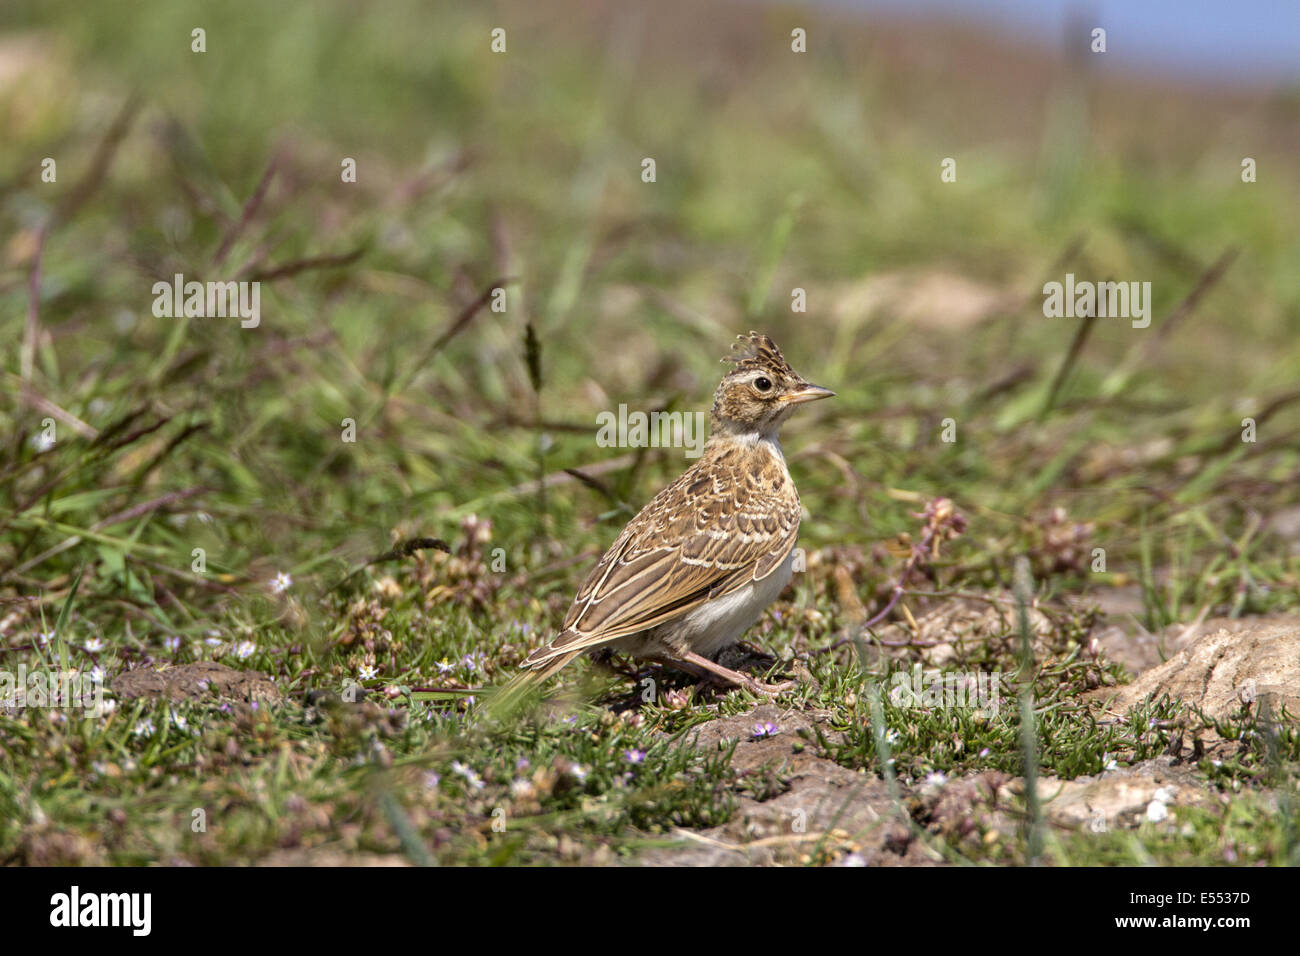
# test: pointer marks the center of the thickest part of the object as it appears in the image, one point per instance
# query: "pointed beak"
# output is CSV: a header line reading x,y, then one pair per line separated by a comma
x,y
806,393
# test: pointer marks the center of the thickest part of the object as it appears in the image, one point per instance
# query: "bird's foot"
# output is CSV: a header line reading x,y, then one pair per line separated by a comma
x,y
769,690
717,672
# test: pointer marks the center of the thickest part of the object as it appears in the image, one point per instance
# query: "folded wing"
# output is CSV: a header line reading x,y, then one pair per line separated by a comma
x,y
692,543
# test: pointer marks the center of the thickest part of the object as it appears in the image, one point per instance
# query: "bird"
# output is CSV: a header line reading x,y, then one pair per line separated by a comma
x,y
701,561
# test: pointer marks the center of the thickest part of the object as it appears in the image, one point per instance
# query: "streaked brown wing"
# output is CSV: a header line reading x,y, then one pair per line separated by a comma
x,y
693,542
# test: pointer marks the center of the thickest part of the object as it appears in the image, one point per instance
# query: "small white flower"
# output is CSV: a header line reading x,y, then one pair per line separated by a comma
x,y
94,645
578,772
522,788
854,859
1157,811
96,675
443,666
936,779
180,723
470,776
144,728
366,672
245,649
44,637
41,441
281,583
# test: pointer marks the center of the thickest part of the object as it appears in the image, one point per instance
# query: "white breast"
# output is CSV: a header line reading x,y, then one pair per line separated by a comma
x,y
720,622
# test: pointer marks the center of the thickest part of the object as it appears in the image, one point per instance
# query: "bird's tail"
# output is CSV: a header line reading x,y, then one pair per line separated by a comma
x,y
524,686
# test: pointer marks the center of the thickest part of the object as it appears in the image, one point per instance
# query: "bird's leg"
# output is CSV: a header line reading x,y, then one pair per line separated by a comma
x,y
677,664
700,662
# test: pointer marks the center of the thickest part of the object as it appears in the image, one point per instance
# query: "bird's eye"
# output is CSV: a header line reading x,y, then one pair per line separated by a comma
x,y
762,384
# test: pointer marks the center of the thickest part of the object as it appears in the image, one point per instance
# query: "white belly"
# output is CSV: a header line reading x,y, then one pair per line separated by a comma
x,y
720,622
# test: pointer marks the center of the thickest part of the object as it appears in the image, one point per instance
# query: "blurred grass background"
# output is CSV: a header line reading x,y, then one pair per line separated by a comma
x,y
775,170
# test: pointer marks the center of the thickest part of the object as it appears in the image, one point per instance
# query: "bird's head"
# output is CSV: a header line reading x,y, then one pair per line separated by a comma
x,y
760,391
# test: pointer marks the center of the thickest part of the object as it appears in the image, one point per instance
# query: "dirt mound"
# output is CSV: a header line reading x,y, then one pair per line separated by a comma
x,y
1117,799
796,804
193,681
1220,669
796,807
958,626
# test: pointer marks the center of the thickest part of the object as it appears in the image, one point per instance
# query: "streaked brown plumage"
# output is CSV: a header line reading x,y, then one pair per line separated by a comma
x,y
699,563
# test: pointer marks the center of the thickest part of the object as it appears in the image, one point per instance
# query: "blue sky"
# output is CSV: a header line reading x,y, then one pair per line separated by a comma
x,y
1246,40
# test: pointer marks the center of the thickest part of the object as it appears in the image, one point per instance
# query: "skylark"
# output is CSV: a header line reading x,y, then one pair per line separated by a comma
x,y
695,569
